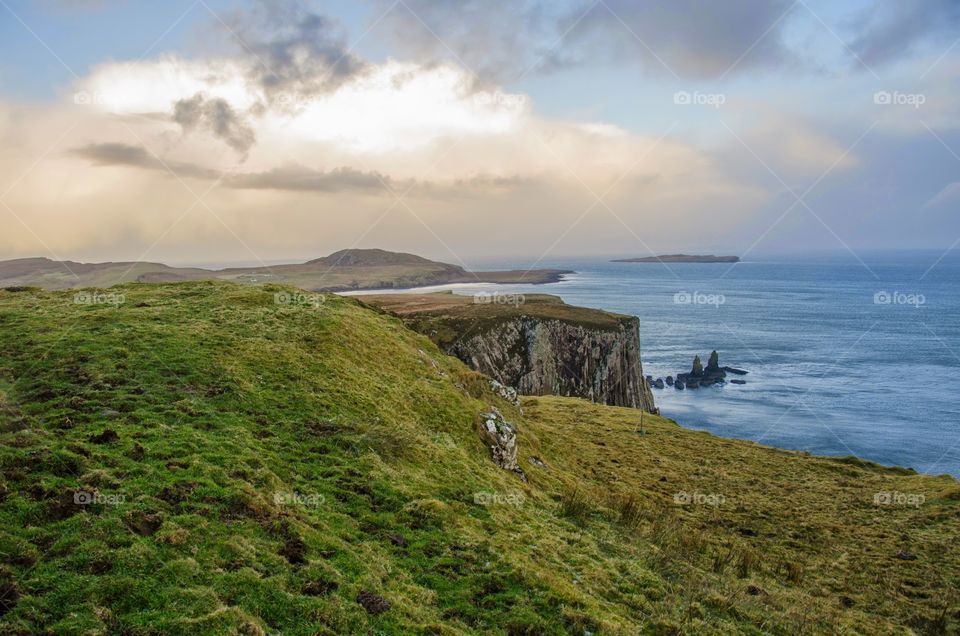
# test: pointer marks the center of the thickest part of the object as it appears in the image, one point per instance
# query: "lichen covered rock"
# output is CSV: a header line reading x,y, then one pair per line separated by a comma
x,y
508,393
501,437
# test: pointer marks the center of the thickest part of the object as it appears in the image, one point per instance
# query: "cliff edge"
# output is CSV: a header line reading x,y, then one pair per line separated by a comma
x,y
535,343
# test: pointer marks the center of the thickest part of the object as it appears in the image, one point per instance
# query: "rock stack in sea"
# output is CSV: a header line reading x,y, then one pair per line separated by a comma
x,y
699,375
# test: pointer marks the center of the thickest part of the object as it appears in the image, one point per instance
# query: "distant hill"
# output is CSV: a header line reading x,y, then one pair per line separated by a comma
x,y
346,270
680,258
372,257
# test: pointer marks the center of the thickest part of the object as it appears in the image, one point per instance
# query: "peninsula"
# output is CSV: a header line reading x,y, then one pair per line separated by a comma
x,y
346,270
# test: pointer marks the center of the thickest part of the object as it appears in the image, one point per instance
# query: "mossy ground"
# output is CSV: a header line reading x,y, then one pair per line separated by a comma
x,y
256,466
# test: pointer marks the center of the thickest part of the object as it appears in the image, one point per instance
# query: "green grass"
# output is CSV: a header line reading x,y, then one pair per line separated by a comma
x,y
448,317
257,466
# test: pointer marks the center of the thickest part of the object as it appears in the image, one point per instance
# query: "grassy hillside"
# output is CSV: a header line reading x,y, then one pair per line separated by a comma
x,y
202,459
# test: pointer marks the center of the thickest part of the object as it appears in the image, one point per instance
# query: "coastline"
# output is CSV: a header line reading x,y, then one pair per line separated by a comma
x,y
533,277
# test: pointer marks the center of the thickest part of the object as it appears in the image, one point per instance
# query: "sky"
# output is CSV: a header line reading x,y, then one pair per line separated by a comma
x,y
261,131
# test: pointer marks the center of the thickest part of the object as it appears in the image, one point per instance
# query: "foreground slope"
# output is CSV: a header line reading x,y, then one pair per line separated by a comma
x,y
201,459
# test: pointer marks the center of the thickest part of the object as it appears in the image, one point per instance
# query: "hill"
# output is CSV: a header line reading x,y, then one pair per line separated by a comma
x,y
345,270
213,458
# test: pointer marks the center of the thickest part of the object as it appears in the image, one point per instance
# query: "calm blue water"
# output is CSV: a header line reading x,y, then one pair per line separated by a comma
x,y
832,371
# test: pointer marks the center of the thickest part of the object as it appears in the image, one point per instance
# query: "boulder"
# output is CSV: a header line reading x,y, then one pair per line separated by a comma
x,y
738,381
669,380
678,385
735,371
501,436
508,393
658,383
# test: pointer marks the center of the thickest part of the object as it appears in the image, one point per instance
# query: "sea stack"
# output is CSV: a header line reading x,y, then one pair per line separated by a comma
x,y
713,374
697,371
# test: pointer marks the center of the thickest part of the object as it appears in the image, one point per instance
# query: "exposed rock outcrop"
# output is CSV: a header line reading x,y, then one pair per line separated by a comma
x,y
508,393
501,436
537,344
553,357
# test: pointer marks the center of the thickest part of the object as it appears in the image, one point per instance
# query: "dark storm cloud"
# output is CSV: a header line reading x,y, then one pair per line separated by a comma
x,y
294,53
686,37
893,29
217,117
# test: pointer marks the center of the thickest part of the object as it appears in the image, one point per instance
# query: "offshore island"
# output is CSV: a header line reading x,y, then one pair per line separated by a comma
x,y
680,258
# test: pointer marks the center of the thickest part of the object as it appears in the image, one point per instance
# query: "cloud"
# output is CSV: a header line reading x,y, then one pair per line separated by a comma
x,y
426,104
292,52
292,177
688,37
295,177
119,154
218,117
298,178
893,29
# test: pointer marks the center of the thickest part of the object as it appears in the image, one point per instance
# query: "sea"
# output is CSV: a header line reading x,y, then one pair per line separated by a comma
x,y
846,354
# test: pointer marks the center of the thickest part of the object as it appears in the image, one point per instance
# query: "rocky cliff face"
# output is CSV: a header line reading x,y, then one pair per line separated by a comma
x,y
538,345
553,357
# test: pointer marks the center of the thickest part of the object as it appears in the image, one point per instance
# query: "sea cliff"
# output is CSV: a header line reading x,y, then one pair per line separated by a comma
x,y
536,344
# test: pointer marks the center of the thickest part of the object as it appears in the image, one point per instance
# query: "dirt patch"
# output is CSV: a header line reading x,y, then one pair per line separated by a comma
x,y
373,603
108,436
294,550
144,523
321,587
